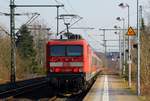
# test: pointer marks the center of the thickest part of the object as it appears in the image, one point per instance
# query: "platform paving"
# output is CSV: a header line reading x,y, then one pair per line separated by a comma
x,y
110,88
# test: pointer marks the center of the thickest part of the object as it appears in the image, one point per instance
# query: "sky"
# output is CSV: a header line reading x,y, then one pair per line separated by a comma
x,y
96,14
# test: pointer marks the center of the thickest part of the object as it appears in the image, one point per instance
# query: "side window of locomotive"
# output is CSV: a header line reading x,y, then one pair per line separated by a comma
x,y
74,50
93,60
57,50
96,61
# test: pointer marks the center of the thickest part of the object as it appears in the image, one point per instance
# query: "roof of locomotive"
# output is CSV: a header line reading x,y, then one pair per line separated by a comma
x,y
68,42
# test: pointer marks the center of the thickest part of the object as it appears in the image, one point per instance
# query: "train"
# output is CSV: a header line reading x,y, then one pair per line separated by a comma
x,y
71,63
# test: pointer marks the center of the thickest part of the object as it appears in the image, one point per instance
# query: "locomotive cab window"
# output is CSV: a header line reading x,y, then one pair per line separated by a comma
x,y
68,50
74,50
57,50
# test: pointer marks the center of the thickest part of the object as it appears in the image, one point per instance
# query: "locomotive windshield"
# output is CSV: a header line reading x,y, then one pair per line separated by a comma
x,y
69,50
57,51
74,50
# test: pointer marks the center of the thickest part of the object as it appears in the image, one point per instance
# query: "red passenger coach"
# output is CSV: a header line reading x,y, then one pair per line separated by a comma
x,y
72,63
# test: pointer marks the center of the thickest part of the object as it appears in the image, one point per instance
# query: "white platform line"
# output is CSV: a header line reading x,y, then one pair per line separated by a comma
x,y
106,91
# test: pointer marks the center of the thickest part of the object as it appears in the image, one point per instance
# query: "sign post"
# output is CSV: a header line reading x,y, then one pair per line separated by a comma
x,y
130,33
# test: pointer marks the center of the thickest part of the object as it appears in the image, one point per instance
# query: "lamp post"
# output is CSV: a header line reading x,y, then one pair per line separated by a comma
x,y
139,45
124,48
120,62
122,5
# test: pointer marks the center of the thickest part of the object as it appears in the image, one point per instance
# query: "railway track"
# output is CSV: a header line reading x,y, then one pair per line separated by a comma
x,y
9,90
71,97
26,88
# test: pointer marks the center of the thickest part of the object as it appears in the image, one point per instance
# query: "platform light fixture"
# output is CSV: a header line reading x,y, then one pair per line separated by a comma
x,y
124,46
124,5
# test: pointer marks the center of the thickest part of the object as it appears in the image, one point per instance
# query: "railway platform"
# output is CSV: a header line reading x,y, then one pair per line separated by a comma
x,y
110,88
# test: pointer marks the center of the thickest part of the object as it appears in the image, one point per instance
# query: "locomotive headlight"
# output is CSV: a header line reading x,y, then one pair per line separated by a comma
x,y
51,69
77,69
80,69
76,64
56,64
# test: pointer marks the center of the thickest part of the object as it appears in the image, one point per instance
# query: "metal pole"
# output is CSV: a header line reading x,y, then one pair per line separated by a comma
x,y
13,45
124,48
129,49
12,32
139,18
104,38
120,52
57,21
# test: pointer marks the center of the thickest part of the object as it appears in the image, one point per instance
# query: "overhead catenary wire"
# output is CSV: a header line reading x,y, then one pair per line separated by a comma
x,y
58,2
80,18
72,10
68,2
2,29
6,1
93,40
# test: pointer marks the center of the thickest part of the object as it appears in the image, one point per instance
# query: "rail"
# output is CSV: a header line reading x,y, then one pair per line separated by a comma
x,y
7,90
72,97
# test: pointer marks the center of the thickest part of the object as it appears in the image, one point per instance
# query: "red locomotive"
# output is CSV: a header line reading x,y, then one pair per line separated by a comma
x,y
72,63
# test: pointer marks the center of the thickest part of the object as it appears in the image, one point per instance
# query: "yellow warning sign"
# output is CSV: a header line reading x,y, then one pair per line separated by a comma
x,y
131,32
